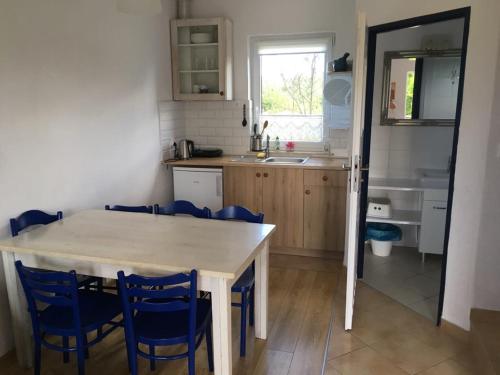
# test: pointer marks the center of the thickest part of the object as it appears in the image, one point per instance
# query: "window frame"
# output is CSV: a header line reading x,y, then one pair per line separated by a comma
x,y
254,76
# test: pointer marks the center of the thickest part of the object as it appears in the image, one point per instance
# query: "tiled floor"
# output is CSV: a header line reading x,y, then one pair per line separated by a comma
x,y
403,277
388,338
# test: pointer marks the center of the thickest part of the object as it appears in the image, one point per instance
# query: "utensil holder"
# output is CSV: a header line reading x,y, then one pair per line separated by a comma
x,y
256,143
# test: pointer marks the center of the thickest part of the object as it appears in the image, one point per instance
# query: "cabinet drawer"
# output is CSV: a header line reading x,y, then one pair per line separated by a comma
x,y
317,177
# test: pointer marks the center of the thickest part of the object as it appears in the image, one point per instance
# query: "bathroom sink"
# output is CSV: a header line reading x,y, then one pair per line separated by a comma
x,y
434,178
286,160
434,173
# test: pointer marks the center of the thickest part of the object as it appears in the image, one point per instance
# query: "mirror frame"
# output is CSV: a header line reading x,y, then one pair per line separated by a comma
x,y
386,78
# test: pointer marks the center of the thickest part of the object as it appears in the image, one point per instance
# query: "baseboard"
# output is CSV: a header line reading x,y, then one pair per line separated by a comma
x,y
338,255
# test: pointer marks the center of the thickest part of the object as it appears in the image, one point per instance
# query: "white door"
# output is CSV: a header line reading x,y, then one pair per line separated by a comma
x,y
355,173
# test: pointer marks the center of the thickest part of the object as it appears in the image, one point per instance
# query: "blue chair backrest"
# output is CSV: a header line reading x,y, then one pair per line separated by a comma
x,y
238,213
49,288
143,209
32,217
183,208
158,294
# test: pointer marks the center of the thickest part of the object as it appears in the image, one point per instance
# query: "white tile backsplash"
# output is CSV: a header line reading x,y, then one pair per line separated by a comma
x,y
218,124
172,117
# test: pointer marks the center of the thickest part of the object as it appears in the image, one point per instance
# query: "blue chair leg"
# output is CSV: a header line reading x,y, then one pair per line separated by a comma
x,y
80,351
252,306
38,357
210,349
191,357
65,341
152,362
86,350
243,333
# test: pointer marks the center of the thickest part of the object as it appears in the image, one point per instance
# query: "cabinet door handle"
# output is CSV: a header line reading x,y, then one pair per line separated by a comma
x,y
439,208
266,174
221,93
257,174
325,178
308,192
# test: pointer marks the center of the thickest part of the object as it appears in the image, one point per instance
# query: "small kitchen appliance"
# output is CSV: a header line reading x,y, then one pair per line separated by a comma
x,y
186,148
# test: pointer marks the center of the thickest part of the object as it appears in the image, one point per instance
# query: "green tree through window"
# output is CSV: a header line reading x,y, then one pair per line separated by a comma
x,y
410,83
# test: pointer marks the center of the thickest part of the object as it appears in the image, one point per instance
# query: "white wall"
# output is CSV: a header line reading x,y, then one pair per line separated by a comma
x,y
487,283
262,17
79,92
474,133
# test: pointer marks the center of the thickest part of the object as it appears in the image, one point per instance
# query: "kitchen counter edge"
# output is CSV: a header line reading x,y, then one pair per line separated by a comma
x,y
225,161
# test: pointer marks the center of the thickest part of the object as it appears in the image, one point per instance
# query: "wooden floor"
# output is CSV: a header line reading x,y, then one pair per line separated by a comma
x,y
300,304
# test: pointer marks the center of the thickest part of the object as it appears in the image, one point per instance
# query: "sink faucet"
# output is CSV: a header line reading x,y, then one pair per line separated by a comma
x,y
267,146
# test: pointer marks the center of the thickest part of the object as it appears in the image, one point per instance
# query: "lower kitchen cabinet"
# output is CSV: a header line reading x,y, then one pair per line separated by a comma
x,y
283,205
324,209
307,206
243,187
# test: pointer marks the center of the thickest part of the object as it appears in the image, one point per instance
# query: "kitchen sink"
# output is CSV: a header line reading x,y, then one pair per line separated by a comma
x,y
247,159
272,159
285,160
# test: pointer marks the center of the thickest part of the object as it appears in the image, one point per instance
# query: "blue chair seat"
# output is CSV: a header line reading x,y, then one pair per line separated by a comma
x,y
170,327
245,282
96,309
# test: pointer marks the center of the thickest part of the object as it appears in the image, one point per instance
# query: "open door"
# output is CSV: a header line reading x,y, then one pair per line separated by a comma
x,y
355,168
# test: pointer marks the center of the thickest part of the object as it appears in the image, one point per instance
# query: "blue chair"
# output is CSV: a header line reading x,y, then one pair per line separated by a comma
x,y
37,217
143,209
182,208
58,308
245,285
164,311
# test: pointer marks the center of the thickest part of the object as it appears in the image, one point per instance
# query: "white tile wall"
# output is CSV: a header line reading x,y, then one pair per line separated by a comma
x,y
218,124
172,126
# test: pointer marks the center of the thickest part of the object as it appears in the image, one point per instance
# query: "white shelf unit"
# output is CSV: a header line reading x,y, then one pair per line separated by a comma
x,y
402,217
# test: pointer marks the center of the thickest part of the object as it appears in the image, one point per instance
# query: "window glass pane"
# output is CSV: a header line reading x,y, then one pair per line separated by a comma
x,y
292,95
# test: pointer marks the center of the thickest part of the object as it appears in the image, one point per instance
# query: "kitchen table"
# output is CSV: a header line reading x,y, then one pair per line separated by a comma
x,y
101,243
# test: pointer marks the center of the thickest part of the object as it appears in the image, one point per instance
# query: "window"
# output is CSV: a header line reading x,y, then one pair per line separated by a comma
x,y
410,84
287,81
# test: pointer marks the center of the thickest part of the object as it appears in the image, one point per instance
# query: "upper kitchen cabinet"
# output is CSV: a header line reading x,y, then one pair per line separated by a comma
x,y
202,59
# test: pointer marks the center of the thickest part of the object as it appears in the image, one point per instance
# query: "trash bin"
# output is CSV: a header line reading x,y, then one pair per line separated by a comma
x,y
382,235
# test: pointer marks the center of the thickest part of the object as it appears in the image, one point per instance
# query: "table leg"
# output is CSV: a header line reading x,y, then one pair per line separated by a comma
x,y
261,291
21,324
221,313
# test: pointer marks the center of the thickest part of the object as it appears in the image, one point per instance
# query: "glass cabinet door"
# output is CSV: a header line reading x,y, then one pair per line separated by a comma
x,y
198,59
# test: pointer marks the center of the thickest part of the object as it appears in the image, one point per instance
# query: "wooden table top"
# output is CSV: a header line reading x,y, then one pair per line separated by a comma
x,y
157,242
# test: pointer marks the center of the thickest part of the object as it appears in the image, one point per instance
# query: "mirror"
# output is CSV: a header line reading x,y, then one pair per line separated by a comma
x,y
420,87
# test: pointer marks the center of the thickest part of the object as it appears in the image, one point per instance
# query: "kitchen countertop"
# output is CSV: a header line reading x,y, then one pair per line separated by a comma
x,y
225,161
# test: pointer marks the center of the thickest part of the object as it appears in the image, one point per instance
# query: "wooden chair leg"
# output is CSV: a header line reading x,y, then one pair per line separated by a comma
x,y
243,333
65,341
152,362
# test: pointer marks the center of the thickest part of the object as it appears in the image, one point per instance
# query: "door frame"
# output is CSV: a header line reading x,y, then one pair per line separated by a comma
x,y
373,31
